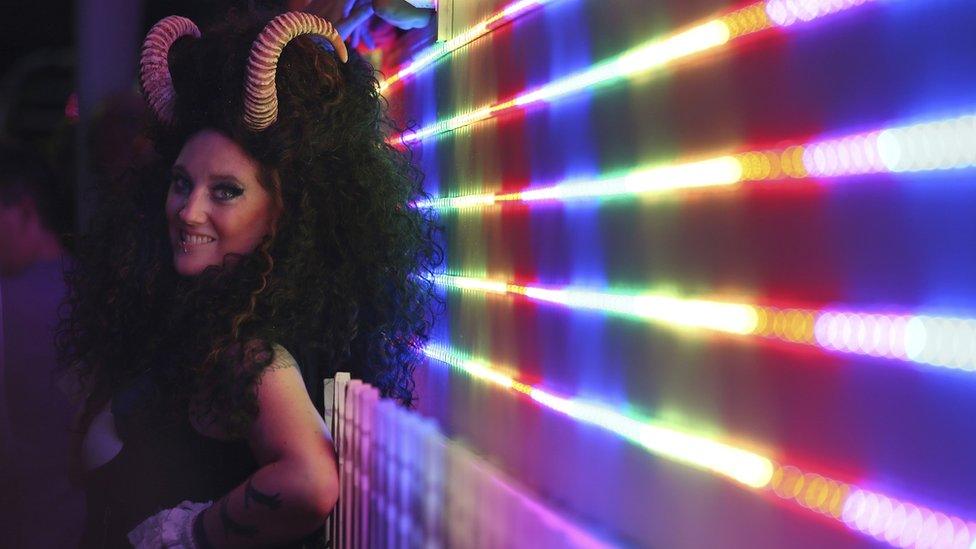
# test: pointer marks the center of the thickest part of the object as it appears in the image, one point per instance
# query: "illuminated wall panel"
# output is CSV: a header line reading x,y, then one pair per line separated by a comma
x,y
764,238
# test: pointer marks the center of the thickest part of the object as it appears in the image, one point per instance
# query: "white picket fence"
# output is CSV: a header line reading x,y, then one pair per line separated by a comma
x,y
405,485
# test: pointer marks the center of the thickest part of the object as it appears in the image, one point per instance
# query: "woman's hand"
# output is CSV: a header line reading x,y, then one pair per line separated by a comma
x,y
169,528
350,14
346,15
402,14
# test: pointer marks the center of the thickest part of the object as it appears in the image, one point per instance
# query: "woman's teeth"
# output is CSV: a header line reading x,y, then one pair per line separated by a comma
x,y
195,239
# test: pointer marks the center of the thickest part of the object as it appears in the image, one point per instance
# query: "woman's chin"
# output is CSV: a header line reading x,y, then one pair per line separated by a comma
x,y
186,266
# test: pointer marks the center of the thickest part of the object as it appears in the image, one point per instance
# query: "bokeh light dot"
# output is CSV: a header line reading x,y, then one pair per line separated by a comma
x,y
862,331
858,146
938,348
952,342
909,151
837,335
776,481
930,145
915,337
775,170
838,499
776,12
819,492
796,158
880,518
923,154
795,485
870,510
951,149
872,157
848,337
843,153
913,526
765,169
946,534
895,523
853,508
896,337
826,159
889,150
962,537
929,531
969,348
821,329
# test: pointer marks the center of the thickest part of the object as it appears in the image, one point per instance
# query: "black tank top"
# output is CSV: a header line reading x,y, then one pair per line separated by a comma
x,y
157,469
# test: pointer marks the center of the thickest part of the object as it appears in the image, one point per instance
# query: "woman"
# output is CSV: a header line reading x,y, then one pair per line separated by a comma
x,y
271,243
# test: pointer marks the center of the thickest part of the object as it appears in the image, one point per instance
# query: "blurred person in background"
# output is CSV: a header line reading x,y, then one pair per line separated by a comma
x,y
364,23
34,414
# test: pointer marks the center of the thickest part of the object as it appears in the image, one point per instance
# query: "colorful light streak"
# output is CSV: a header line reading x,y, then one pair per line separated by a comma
x,y
885,518
438,51
652,55
740,465
947,144
925,339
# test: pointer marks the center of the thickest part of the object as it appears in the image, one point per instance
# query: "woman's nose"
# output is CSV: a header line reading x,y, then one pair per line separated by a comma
x,y
194,210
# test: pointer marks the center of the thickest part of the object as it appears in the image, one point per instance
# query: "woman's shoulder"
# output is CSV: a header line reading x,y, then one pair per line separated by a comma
x,y
205,420
256,353
281,359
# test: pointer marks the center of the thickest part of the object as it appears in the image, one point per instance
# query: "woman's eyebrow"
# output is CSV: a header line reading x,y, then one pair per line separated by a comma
x,y
226,177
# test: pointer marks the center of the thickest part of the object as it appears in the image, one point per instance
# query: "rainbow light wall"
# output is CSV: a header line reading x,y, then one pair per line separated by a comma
x,y
710,271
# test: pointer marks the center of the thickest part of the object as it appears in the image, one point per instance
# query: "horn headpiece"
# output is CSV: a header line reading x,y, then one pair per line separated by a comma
x,y
260,94
157,83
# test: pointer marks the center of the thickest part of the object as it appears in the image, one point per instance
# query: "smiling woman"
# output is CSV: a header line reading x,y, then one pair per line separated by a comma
x,y
216,205
271,242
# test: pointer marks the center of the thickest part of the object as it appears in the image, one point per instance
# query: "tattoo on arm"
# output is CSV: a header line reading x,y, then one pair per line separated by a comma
x,y
271,501
232,526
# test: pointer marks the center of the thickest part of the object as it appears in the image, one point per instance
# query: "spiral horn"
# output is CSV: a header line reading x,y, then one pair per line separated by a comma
x,y
260,94
157,83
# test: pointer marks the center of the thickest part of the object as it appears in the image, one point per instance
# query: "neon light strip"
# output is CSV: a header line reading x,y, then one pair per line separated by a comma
x,y
924,339
945,144
655,54
432,54
740,465
885,518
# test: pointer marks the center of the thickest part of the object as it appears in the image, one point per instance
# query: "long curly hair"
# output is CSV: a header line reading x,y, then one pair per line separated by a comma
x,y
342,283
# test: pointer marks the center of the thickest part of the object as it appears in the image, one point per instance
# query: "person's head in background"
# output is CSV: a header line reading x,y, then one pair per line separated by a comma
x,y
30,221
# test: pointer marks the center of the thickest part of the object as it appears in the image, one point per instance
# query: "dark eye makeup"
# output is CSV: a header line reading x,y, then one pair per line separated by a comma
x,y
227,191
223,191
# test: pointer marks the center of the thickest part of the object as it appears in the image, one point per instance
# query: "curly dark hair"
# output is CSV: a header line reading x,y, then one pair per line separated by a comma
x,y
342,282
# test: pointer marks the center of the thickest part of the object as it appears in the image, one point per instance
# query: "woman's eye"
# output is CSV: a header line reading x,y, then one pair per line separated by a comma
x,y
227,192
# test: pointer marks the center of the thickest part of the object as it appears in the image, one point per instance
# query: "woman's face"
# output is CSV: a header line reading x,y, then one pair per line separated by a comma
x,y
216,204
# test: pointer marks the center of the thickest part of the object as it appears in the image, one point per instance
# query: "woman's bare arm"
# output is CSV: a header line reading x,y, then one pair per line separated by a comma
x,y
297,485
